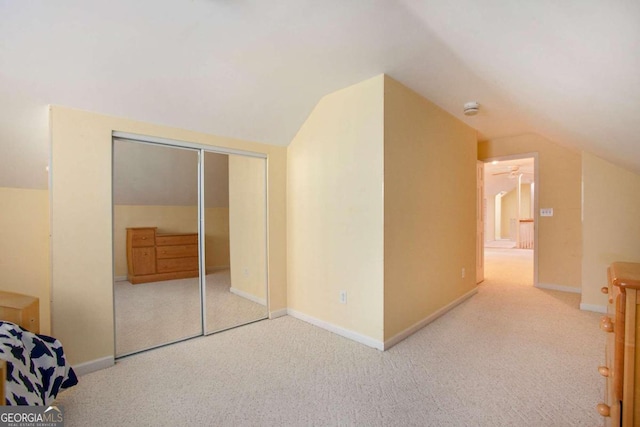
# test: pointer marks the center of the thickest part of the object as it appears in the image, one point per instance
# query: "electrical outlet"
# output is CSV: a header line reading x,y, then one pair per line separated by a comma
x,y
343,297
245,271
463,272
546,212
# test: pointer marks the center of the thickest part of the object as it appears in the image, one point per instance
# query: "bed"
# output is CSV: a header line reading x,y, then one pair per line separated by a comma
x,y
35,368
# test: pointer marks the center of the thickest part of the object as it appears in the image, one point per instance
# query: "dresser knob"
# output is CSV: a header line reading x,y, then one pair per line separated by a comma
x,y
604,290
603,409
606,324
144,238
604,371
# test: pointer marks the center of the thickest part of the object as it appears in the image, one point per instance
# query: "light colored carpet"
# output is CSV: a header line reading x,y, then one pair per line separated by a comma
x,y
502,244
512,355
150,314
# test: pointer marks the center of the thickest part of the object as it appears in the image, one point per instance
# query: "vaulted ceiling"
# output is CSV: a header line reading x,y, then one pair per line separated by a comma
x,y
255,69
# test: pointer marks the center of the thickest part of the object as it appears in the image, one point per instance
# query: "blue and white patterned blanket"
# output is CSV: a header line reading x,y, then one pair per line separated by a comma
x,y
36,367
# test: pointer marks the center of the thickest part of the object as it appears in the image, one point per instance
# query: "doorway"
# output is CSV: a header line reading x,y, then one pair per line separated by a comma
x,y
189,241
509,207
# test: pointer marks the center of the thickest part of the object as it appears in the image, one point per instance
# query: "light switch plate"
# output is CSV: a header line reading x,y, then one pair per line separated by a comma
x,y
546,212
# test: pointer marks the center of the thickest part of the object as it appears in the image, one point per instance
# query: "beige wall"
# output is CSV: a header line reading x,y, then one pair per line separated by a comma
x,y
81,218
216,248
24,246
490,218
247,226
429,208
335,211
559,237
611,224
509,208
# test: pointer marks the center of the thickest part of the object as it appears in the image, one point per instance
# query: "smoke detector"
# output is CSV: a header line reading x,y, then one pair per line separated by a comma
x,y
471,108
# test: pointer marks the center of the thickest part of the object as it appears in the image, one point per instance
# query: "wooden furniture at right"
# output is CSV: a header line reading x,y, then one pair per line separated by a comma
x,y
23,310
622,363
153,257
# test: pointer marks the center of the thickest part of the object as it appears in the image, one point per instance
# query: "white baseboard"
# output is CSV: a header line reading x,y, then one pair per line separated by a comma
x,y
93,365
120,278
355,336
562,288
214,268
593,307
424,322
278,313
250,297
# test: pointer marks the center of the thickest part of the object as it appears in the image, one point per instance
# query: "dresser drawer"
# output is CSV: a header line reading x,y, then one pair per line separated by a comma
x,y
182,251
143,260
176,239
153,257
177,264
142,237
610,374
23,310
622,363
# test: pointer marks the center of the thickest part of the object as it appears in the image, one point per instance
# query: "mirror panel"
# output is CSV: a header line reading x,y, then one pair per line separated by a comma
x,y
155,212
235,229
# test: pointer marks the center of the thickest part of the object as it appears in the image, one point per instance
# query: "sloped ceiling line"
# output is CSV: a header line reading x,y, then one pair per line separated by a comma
x,y
254,70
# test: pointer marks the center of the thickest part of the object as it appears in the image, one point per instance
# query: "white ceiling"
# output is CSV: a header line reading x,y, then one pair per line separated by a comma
x,y
503,175
255,69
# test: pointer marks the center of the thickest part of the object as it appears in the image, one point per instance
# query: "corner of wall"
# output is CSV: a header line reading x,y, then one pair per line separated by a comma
x,y
429,208
334,211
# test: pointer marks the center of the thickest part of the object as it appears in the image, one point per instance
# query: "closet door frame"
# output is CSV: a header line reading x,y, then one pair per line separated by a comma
x,y
201,149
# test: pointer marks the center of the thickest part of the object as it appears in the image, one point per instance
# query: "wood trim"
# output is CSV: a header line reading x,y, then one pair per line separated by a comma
x,y
619,349
628,389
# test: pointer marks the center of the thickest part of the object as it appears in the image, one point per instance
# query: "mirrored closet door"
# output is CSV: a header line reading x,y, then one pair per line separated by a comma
x,y
155,212
190,254
235,230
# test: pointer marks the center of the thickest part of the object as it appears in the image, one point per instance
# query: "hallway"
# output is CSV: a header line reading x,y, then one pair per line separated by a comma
x,y
509,265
